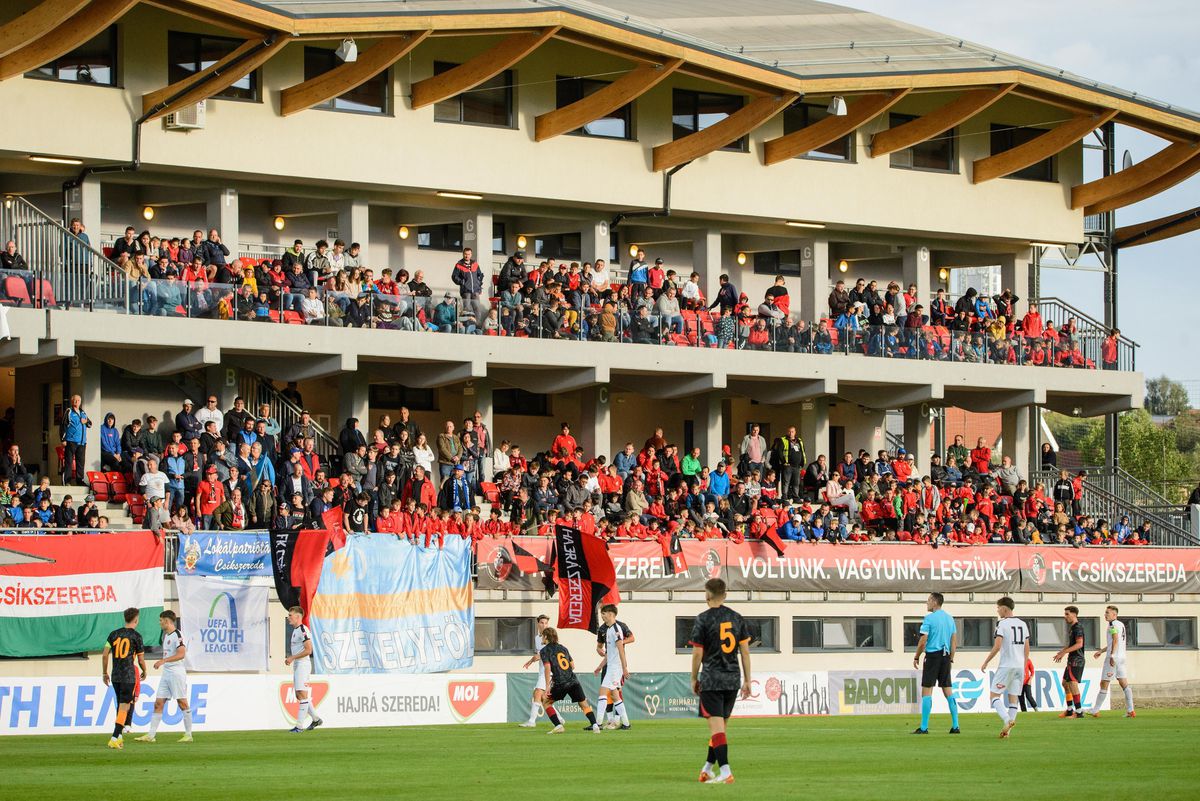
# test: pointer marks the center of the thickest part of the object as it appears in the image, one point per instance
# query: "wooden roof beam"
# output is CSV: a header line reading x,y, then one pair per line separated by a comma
x,y
482,67
604,100
938,121
1041,147
64,37
858,113
36,23
716,136
221,75
346,76
234,25
1147,189
1128,236
1139,174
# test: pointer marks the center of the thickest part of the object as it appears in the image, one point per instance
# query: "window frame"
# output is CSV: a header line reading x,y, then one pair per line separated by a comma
x,y
740,145
508,84
849,141
773,267
960,624
1133,641
387,108
447,243
114,48
896,119
629,115
396,396
196,39
564,253
524,623
1091,632
852,648
681,646
1014,133
520,402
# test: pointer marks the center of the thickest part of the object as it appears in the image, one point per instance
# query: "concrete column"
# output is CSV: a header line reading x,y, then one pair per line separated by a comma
x,y
224,216
354,400
85,382
814,430
477,397
354,226
710,427
814,282
223,382
593,242
706,260
1015,430
1014,275
916,271
595,424
477,235
916,436
84,203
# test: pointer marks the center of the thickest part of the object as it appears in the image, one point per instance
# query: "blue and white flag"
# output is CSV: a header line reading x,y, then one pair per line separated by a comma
x,y
225,554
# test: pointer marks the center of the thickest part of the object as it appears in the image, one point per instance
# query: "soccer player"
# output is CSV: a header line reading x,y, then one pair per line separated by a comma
x,y
719,637
1012,644
539,689
1114,663
937,644
559,670
1073,672
611,638
301,663
125,647
173,681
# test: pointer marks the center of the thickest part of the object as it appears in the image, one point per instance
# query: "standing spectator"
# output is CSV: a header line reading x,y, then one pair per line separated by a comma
x,y
981,458
74,437
727,296
778,294
753,449
209,495
467,276
211,412
1049,457
235,418
78,252
449,450
790,462
350,437
186,423
292,393
639,274
153,482
1108,350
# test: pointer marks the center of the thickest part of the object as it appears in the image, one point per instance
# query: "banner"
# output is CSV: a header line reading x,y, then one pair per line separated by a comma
x,y
881,692
1110,570
70,603
775,694
585,577
385,605
296,560
77,705
224,554
224,624
648,696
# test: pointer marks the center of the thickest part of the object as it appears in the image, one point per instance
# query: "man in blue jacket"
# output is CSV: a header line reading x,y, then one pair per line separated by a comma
x,y
75,426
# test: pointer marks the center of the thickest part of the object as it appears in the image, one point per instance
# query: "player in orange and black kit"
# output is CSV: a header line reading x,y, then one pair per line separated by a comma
x,y
719,636
1074,652
562,681
125,647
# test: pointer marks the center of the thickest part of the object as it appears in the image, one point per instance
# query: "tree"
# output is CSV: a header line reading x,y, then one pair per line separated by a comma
x,y
1149,453
1166,397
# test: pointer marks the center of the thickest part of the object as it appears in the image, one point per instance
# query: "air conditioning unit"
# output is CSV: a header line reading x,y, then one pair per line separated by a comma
x,y
186,119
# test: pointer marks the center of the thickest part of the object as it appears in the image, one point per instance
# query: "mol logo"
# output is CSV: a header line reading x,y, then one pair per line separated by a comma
x,y
467,697
317,690
967,689
221,634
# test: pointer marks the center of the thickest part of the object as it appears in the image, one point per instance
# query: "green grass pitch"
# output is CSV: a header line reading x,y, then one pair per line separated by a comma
x,y
1151,757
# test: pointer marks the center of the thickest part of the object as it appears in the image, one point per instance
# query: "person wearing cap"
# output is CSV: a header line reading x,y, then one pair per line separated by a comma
x,y
456,493
513,269
210,494
445,315
186,422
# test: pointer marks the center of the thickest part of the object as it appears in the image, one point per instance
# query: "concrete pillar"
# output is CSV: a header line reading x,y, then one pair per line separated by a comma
x,y
814,430
477,235
710,427
1014,275
1015,430
593,242
814,282
916,271
354,400
223,382
916,436
706,260
84,203
224,216
354,226
595,423
477,397
85,382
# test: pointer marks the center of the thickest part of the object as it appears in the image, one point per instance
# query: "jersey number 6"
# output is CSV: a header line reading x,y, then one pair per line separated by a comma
x,y
728,641
563,662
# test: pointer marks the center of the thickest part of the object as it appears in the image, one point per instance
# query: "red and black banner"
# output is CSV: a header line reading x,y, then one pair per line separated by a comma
x,y
297,556
674,562
585,577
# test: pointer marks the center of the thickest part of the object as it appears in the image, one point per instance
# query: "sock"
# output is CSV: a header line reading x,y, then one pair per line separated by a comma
x,y
950,702
926,708
119,726
303,713
1001,709
601,709
591,716
721,751
619,709
155,719
711,758
1128,699
1012,713
533,711
1099,702
187,722
553,715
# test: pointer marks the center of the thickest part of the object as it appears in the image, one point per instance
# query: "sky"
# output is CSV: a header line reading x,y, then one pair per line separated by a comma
x,y
1148,47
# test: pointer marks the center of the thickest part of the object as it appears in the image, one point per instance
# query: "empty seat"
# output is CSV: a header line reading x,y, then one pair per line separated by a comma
x,y
45,294
98,484
16,292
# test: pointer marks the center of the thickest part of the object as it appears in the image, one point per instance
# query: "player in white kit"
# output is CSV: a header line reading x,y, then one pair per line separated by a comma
x,y
173,681
1114,663
1012,644
539,689
300,661
611,639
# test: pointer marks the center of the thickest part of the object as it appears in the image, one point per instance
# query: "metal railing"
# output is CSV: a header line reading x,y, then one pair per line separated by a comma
x,y
1089,331
1112,494
256,390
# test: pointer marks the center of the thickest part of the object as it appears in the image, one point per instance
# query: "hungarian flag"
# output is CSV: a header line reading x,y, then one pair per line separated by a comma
x,y
674,562
771,537
585,576
72,590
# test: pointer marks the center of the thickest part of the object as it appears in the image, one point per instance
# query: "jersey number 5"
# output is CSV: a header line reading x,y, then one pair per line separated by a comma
x,y
121,648
728,641
563,662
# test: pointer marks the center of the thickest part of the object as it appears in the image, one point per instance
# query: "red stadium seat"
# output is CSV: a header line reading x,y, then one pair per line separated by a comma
x,y
116,485
46,295
16,292
98,484
293,318
490,491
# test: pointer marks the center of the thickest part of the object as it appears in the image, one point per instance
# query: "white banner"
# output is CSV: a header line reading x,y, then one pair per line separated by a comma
x,y
239,703
224,624
774,694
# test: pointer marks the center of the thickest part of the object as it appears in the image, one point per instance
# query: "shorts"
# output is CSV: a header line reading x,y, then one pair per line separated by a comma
x,y
1116,671
613,678
541,679
1008,681
301,670
172,685
1072,673
717,703
572,691
125,691
936,671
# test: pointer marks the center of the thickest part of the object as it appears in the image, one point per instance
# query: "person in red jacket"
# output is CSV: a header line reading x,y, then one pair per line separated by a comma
x,y
981,457
1108,350
386,522
210,493
564,445
420,488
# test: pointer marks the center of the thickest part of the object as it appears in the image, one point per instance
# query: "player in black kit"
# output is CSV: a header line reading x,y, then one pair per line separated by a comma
x,y
719,636
1073,672
562,681
124,646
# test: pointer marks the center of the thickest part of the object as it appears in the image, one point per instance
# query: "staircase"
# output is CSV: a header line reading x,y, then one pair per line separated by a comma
x,y
1090,332
1111,493
257,390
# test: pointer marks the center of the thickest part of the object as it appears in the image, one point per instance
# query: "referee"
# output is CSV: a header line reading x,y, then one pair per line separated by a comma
x,y
937,644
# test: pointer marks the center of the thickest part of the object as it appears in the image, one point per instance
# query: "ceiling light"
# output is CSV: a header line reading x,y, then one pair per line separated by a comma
x,y
633,250
1046,245
280,223
55,160
403,232
521,242
348,51
837,107
741,258
148,213
460,195
944,274
798,224
843,265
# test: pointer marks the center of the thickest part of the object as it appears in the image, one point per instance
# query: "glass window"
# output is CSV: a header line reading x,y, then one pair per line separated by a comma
x,y
777,262
497,237
369,97
764,633
802,115
558,246
394,396
937,153
503,635
1006,137
1159,632
976,632
695,111
1051,632
614,125
93,62
840,633
189,53
490,103
518,401
912,633
806,634
440,237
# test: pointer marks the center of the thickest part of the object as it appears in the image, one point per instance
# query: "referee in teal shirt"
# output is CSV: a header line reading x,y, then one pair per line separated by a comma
x,y
937,644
